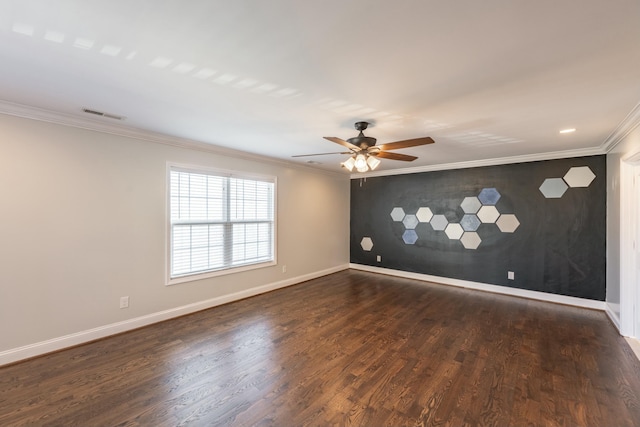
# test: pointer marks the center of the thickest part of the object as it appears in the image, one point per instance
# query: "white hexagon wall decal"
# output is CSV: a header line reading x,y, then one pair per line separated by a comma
x,y
439,222
489,196
470,205
508,223
580,176
397,214
410,237
470,240
454,231
410,222
366,243
488,214
553,188
424,214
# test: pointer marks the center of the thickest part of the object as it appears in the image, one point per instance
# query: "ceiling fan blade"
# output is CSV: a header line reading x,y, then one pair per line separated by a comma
x,y
406,143
322,154
342,142
394,156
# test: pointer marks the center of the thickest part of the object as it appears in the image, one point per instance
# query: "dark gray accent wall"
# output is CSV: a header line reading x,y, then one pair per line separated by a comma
x,y
558,245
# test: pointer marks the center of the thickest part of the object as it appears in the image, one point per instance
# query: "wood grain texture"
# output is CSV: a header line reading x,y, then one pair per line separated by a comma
x,y
349,349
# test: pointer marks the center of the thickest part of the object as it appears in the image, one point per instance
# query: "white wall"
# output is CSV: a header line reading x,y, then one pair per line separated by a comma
x,y
627,147
82,223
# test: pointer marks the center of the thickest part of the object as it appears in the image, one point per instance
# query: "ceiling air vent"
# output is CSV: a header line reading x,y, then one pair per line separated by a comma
x,y
103,114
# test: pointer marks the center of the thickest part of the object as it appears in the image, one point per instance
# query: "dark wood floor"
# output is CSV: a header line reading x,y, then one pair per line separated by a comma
x,y
352,348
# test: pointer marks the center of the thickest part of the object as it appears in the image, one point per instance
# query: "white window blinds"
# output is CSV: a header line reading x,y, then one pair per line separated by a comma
x,y
219,221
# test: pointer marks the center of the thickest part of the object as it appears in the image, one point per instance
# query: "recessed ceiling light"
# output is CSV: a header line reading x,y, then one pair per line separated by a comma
x,y
568,130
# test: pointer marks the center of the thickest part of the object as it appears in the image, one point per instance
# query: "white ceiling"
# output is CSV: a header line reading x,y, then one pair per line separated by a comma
x,y
486,79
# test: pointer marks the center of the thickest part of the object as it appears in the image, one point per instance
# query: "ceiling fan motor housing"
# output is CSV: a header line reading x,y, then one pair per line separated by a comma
x,y
362,141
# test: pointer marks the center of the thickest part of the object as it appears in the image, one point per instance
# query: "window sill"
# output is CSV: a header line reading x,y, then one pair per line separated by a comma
x,y
216,273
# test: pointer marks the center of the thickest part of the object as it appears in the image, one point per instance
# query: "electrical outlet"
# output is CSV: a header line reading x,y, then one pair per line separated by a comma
x,y
511,275
124,302
284,268
378,258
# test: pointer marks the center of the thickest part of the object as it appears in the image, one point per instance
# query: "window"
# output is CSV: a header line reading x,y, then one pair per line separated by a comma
x,y
218,221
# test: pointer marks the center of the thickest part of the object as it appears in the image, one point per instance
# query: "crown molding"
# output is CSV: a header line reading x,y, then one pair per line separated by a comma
x,y
630,122
97,125
486,162
625,127
628,125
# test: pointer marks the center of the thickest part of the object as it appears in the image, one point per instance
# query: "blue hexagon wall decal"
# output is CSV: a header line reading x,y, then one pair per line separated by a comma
x,y
410,237
489,196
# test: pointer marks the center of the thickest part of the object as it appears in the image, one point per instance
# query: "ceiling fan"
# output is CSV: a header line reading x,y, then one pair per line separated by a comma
x,y
365,153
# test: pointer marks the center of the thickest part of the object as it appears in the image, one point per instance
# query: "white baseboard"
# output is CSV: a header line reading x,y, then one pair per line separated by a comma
x,y
542,296
615,319
55,344
635,346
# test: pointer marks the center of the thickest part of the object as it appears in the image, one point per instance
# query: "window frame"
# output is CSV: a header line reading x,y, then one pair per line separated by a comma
x,y
198,169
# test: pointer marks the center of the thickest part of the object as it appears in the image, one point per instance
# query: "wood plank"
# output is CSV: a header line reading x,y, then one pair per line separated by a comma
x,y
351,348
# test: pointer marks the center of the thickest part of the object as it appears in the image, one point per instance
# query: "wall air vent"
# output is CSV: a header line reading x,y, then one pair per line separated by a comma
x,y
103,114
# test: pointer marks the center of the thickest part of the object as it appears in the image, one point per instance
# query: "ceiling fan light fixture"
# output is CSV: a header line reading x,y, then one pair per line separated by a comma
x,y
373,162
348,164
361,163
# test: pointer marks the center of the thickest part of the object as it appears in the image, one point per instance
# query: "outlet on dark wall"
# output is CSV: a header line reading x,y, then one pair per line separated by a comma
x,y
544,221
